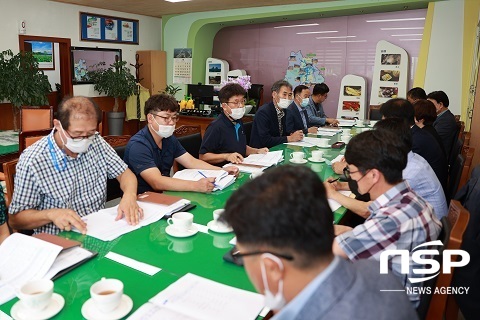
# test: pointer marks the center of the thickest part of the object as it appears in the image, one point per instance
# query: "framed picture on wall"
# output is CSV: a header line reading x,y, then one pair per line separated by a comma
x,y
43,52
96,27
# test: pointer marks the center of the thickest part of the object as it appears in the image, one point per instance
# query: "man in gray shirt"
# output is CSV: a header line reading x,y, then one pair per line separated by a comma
x,y
316,115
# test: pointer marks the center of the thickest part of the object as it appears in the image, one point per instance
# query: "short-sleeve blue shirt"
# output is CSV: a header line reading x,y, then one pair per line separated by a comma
x,y
221,137
143,153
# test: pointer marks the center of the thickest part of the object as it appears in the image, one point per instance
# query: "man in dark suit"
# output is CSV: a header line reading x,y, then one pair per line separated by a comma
x,y
297,116
286,247
423,143
445,124
268,128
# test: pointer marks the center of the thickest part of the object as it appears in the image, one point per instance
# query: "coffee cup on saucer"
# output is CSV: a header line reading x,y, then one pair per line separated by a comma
x,y
323,142
107,294
181,221
220,225
36,294
297,156
345,138
317,155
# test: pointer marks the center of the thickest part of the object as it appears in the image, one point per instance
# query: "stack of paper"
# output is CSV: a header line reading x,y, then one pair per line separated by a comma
x,y
334,205
329,132
102,224
222,178
338,158
258,162
346,122
25,258
306,142
194,297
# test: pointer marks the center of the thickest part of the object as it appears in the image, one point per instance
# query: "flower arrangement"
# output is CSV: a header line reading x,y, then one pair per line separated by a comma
x,y
244,82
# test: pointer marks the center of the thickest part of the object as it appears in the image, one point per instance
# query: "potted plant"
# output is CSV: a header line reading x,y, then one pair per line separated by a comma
x,y
243,81
117,82
22,82
171,90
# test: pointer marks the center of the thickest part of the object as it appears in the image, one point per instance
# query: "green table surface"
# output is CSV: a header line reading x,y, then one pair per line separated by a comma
x,y
200,254
9,135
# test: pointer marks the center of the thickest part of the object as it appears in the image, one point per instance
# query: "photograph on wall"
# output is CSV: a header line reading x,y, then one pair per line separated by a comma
x,y
214,80
182,53
214,67
93,27
388,92
351,106
127,31
355,91
391,59
42,52
389,75
111,29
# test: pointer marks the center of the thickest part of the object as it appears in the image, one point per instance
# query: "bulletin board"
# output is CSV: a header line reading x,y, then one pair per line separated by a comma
x,y
95,27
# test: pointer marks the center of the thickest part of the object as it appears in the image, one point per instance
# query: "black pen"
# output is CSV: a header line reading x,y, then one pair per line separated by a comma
x,y
332,181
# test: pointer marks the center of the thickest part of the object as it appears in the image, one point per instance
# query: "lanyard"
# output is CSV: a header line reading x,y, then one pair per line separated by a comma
x,y
54,157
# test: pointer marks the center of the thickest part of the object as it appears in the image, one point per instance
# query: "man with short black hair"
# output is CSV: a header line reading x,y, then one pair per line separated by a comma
x,y
224,140
316,115
399,219
286,248
63,177
150,153
415,94
297,116
268,128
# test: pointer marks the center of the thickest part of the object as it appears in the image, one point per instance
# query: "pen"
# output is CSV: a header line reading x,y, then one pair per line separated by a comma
x,y
203,175
332,181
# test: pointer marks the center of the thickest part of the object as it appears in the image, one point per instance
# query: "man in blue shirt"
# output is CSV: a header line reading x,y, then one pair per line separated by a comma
x,y
297,116
316,115
224,140
286,248
151,152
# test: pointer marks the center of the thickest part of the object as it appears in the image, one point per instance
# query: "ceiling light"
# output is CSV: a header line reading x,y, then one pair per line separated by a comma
x,y
407,35
394,20
297,25
410,39
313,32
405,28
339,37
177,0
348,41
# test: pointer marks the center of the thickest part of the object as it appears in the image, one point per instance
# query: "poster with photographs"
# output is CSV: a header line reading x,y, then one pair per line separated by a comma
x,y
352,98
354,91
391,59
351,106
390,75
182,65
388,92
101,28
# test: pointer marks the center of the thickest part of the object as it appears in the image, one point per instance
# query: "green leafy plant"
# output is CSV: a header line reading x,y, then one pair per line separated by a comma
x,y
22,82
116,81
171,90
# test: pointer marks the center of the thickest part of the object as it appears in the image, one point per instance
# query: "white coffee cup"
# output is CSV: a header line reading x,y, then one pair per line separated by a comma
x,y
182,221
36,294
317,155
323,142
181,245
219,224
297,156
254,175
107,294
345,138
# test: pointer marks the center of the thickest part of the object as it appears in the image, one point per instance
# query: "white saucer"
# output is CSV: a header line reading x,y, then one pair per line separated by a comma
x,y
172,231
320,160
56,304
324,147
212,225
90,311
346,142
300,162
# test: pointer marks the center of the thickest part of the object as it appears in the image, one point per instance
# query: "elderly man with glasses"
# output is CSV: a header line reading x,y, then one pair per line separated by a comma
x,y
150,153
63,177
225,140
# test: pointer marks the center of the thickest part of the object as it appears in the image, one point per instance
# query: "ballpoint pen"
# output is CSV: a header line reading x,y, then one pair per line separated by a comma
x,y
203,175
332,181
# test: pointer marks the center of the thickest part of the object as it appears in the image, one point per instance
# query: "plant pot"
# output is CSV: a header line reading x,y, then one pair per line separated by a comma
x,y
248,108
115,123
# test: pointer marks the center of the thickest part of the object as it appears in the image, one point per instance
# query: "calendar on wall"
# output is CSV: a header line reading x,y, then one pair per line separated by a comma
x,y
182,65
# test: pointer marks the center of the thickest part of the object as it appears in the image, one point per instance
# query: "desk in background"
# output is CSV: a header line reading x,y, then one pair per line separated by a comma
x,y
8,147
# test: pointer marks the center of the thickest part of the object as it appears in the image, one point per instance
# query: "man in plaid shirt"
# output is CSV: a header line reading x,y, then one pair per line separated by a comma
x,y
399,219
63,177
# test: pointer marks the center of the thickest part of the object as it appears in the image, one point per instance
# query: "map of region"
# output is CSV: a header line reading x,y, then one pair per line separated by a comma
x,y
303,70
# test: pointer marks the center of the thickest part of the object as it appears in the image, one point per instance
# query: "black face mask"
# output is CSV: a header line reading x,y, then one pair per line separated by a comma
x,y
353,185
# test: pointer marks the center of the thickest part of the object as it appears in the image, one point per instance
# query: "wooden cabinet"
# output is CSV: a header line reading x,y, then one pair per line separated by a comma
x,y
153,71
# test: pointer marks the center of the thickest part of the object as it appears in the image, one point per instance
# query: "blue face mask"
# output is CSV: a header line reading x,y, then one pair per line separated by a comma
x,y
304,102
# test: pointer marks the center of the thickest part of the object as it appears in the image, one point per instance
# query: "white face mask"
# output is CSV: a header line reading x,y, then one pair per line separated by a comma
x,y
277,301
76,146
284,103
237,113
304,102
163,130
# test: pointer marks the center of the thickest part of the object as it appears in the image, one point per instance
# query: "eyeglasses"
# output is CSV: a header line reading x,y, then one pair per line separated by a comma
x,y
174,118
347,173
238,103
80,138
238,256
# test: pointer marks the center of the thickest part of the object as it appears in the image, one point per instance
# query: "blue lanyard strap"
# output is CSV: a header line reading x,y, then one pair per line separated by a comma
x,y
54,156
237,126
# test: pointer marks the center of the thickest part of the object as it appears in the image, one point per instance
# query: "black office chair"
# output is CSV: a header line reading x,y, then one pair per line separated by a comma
x,y
192,144
454,176
247,128
255,92
113,186
374,112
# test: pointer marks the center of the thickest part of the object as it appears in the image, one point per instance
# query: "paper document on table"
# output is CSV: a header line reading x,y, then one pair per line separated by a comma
x,y
326,132
246,168
102,224
334,205
68,258
132,263
23,258
338,158
268,159
222,178
194,297
306,142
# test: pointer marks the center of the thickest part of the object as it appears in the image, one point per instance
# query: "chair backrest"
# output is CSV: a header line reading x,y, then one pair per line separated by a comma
x,y
119,144
9,169
467,153
256,93
117,141
36,118
186,130
455,175
374,112
466,138
457,218
461,129
191,139
247,128
27,138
